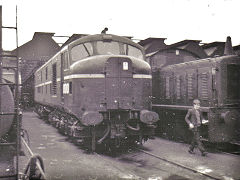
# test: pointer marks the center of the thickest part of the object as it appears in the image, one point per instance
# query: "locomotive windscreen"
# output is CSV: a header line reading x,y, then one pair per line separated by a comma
x,y
85,50
233,81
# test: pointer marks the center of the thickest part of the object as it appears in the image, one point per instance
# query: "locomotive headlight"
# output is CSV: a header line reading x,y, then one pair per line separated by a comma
x,y
125,66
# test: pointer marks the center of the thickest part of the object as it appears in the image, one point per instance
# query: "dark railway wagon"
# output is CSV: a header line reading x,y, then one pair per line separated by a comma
x,y
97,89
216,82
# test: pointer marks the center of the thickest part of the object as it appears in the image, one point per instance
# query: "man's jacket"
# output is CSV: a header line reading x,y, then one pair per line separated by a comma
x,y
194,116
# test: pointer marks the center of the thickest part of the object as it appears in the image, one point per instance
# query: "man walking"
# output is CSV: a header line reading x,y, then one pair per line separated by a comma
x,y
194,120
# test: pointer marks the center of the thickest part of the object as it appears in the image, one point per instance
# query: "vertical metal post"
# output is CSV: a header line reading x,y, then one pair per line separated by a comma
x,y
17,100
1,52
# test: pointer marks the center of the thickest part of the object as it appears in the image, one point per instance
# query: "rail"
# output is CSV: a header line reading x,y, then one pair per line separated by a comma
x,y
180,165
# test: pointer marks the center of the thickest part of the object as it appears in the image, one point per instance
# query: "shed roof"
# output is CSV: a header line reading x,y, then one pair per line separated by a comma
x,y
213,44
149,40
73,38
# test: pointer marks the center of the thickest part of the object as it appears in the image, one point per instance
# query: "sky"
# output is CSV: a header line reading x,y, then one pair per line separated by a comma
x,y
175,20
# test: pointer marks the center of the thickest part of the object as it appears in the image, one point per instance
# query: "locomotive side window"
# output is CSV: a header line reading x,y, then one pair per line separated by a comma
x,y
233,81
70,87
81,51
167,90
54,79
178,87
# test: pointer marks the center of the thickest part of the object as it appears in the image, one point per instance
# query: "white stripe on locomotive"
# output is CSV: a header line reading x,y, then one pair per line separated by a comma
x,y
77,76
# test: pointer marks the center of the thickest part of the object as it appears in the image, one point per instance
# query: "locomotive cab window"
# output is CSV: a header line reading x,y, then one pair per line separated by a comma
x,y
81,51
133,51
233,81
65,61
108,47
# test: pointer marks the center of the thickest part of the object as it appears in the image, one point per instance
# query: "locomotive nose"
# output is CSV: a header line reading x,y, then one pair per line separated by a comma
x,y
118,67
119,83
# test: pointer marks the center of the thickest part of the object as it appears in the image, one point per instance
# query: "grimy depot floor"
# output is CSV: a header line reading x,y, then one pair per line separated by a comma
x,y
66,161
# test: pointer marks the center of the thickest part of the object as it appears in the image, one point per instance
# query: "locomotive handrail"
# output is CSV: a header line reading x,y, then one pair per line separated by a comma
x,y
7,144
7,113
7,84
132,128
8,176
105,135
180,107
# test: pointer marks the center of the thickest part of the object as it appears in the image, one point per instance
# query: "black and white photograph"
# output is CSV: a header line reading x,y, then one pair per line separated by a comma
x,y
119,90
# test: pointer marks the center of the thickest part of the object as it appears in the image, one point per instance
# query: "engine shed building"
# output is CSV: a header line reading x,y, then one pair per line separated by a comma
x,y
35,52
214,49
236,49
32,55
179,52
153,44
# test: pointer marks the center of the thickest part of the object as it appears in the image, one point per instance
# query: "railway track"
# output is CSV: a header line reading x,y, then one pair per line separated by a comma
x,y
180,165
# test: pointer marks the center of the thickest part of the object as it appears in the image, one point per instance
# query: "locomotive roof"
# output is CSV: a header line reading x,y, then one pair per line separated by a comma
x,y
101,37
200,62
97,37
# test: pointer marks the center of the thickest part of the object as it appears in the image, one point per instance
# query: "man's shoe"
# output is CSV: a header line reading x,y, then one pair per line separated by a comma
x,y
190,151
204,154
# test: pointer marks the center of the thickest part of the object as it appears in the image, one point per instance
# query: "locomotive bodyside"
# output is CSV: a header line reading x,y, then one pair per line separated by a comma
x,y
215,82
104,85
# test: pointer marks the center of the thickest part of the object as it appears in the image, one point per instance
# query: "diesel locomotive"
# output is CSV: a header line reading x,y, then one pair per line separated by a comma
x,y
215,82
97,90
